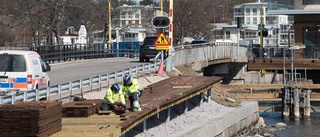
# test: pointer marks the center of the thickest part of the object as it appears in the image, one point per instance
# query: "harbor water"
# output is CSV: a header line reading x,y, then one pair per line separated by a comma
x,y
302,127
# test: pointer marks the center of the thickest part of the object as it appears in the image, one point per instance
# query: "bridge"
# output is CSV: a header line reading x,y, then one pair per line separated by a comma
x,y
221,59
198,56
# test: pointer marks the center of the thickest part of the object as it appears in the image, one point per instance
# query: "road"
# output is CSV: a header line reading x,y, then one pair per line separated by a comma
x,y
72,71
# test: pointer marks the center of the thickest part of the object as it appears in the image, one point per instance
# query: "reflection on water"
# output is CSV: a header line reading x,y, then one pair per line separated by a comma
x,y
303,127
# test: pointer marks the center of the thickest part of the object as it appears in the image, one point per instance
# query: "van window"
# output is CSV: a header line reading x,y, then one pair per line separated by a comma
x,y
12,63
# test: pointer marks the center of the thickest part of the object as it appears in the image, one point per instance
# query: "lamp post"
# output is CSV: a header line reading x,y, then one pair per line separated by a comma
x,y
292,57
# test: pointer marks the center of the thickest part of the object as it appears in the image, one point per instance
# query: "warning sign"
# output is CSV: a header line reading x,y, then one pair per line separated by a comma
x,y
162,40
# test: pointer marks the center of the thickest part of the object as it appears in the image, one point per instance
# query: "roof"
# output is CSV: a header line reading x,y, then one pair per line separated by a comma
x,y
20,52
292,12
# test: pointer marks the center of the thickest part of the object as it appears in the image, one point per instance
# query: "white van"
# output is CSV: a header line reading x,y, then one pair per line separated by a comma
x,y
22,71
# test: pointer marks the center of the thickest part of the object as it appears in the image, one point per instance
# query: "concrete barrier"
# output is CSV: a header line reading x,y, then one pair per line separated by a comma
x,y
229,124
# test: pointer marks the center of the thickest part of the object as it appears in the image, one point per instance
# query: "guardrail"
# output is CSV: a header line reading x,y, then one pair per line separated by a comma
x,y
64,91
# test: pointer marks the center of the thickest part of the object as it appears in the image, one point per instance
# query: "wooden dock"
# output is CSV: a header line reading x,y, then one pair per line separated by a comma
x,y
156,98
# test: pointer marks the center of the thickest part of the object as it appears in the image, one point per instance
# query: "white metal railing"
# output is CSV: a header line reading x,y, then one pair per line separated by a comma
x,y
65,90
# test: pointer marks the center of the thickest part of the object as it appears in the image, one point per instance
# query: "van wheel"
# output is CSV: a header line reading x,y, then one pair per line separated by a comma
x,y
141,59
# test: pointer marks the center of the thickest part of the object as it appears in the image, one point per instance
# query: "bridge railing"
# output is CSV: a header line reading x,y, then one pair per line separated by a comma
x,y
66,90
187,54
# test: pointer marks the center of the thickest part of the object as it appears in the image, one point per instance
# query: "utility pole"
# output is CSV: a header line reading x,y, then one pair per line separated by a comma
x,y
109,26
261,29
170,56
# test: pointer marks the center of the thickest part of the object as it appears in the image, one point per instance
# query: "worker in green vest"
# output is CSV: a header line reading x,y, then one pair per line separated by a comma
x,y
114,98
132,88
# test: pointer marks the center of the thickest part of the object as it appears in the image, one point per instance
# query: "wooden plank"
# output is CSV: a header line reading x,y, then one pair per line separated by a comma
x,y
181,87
257,95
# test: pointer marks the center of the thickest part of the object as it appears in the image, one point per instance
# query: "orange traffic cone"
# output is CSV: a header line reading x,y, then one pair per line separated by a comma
x,y
160,70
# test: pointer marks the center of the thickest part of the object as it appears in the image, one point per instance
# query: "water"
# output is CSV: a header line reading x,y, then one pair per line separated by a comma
x,y
302,127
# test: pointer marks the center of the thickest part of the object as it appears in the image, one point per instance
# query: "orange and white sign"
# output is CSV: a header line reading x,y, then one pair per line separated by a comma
x,y
162,42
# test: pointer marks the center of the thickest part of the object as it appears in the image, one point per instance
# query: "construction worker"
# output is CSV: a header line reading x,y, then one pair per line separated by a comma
x,y
113,95
132,89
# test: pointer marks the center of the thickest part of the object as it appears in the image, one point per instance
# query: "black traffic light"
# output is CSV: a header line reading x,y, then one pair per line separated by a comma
x,y
264,33
160,21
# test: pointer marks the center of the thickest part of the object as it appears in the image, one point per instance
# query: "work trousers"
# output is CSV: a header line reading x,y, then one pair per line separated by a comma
x,y
134,97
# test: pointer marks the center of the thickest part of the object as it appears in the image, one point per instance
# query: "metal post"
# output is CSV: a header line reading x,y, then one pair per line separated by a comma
x,y
186,106
59,91
209,95
201,99
13,98
307,108
292,77
100,82
70,89
296,102
144,125
25,96
238,37
117,40
168,114
37,95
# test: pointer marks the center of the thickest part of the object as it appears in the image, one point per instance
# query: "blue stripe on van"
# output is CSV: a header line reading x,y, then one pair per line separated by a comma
x,y
6,85
21,80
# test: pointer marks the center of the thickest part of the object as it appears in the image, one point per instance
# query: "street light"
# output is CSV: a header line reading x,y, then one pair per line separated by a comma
x,y
292,57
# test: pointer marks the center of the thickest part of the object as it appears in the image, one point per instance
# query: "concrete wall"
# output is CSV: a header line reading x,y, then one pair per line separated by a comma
x,y
211,54
229,124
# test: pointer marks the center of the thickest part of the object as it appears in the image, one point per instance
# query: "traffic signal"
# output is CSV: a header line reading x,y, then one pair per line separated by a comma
x,y
264,33
160,21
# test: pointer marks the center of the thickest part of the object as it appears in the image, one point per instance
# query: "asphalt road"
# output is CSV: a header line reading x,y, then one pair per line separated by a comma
x,y
72,71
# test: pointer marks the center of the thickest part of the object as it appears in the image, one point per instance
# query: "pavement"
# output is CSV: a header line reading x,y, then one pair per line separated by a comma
x,y
144,81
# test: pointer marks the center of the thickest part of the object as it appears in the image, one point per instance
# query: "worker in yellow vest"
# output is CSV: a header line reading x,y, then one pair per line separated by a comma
x,y
114,98
132,88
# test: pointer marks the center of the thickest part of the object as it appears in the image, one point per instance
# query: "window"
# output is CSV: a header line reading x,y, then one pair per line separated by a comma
x,y
247,11
12,63
254,11
305,2
248,20
227,34
255,20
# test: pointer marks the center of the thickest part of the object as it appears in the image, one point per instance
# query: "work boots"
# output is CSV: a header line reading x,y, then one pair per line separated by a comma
x,y
136,106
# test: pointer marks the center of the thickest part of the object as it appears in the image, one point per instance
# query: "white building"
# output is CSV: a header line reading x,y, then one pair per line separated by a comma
x,y
75,36
253,14
132,23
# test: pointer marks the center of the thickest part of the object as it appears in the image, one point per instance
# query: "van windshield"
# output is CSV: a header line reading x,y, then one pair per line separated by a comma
x,y
12,63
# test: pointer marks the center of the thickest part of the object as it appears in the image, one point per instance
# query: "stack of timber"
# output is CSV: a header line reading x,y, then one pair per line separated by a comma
x,y
35,118
83,108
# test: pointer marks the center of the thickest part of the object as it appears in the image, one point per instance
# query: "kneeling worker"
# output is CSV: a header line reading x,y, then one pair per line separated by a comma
x,y
113,95
132,88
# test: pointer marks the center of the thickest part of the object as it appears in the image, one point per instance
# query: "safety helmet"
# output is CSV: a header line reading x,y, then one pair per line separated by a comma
x,y
126,79
115,87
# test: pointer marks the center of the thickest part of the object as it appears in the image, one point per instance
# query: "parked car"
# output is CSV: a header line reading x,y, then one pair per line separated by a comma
x,y
196,43
22,71
148,49
199,41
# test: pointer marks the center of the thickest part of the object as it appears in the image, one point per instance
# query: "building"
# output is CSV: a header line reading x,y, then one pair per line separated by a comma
x,y
306,27
75,35
132,23
250,15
